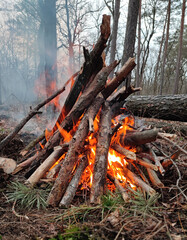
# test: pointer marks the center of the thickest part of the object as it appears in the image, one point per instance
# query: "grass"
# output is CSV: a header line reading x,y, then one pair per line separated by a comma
x,y
27,197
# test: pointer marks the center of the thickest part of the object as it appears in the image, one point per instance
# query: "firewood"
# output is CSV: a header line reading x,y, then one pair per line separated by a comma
x,y
92,65
138,138
138,182
83,102
119,78
75,148
167,162
73,185
118,186
128,154
153,176
156,160
45,166
101,159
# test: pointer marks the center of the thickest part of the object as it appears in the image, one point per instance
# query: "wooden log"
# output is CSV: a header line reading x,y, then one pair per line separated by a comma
x,y
73,185
138,138
119,187
128,154
119,78
169,161
83,103
168,107
92,65
45,166
75,148
101,159
138,182
131,157
153,176
155,159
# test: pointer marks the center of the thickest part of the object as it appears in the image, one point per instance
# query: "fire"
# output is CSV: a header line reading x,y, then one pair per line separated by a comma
x,y
116,161
66,135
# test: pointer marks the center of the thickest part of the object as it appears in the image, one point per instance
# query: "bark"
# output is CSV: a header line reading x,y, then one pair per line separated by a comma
x,y
176,86
83,103
50,45
75,148
153,177
119,78
139,43
138,138
130,35
93,61
164,107
138,181
73,185
128,154
45,166
114,32
101,160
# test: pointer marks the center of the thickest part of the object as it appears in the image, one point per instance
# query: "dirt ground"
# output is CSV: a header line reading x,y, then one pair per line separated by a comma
x,y
84,222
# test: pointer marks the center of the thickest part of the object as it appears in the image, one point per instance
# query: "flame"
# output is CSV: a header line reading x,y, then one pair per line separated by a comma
x,y
66,135
116,162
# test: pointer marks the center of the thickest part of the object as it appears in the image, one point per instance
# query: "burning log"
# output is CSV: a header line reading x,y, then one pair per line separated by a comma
x,y
153,177
92,65
128,154
100,166
77,141
139,182
73,185
138,138
46,165
120,188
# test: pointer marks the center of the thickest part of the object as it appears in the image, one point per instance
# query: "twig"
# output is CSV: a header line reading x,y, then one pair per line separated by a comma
x,y
16,214
173,143
33,112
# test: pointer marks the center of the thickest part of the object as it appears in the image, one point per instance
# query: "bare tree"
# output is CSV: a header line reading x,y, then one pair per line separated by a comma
x,y
165,48
130,35
139,46
176,86
155,82
115,14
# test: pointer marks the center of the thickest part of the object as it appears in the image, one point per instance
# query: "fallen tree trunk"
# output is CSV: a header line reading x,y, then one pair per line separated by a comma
x,y
163,107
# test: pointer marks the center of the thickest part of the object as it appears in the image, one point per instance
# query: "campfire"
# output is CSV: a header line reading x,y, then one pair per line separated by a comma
x,y
94,145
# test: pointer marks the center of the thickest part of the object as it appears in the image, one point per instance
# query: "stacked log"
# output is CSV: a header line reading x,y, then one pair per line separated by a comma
x,y
93,96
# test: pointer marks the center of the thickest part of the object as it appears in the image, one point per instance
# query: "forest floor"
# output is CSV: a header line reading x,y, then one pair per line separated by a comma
x,y
139,218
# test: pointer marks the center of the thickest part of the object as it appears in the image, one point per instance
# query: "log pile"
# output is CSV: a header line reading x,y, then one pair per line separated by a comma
x,y
93,140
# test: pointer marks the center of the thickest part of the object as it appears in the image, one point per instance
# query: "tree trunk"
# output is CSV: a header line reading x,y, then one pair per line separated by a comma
x,y
158,60
114,33
165,107
176,87
165,48
138,51
50,45
130,35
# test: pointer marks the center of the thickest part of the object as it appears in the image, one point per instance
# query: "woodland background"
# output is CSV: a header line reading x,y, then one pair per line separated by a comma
x,y
42,42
